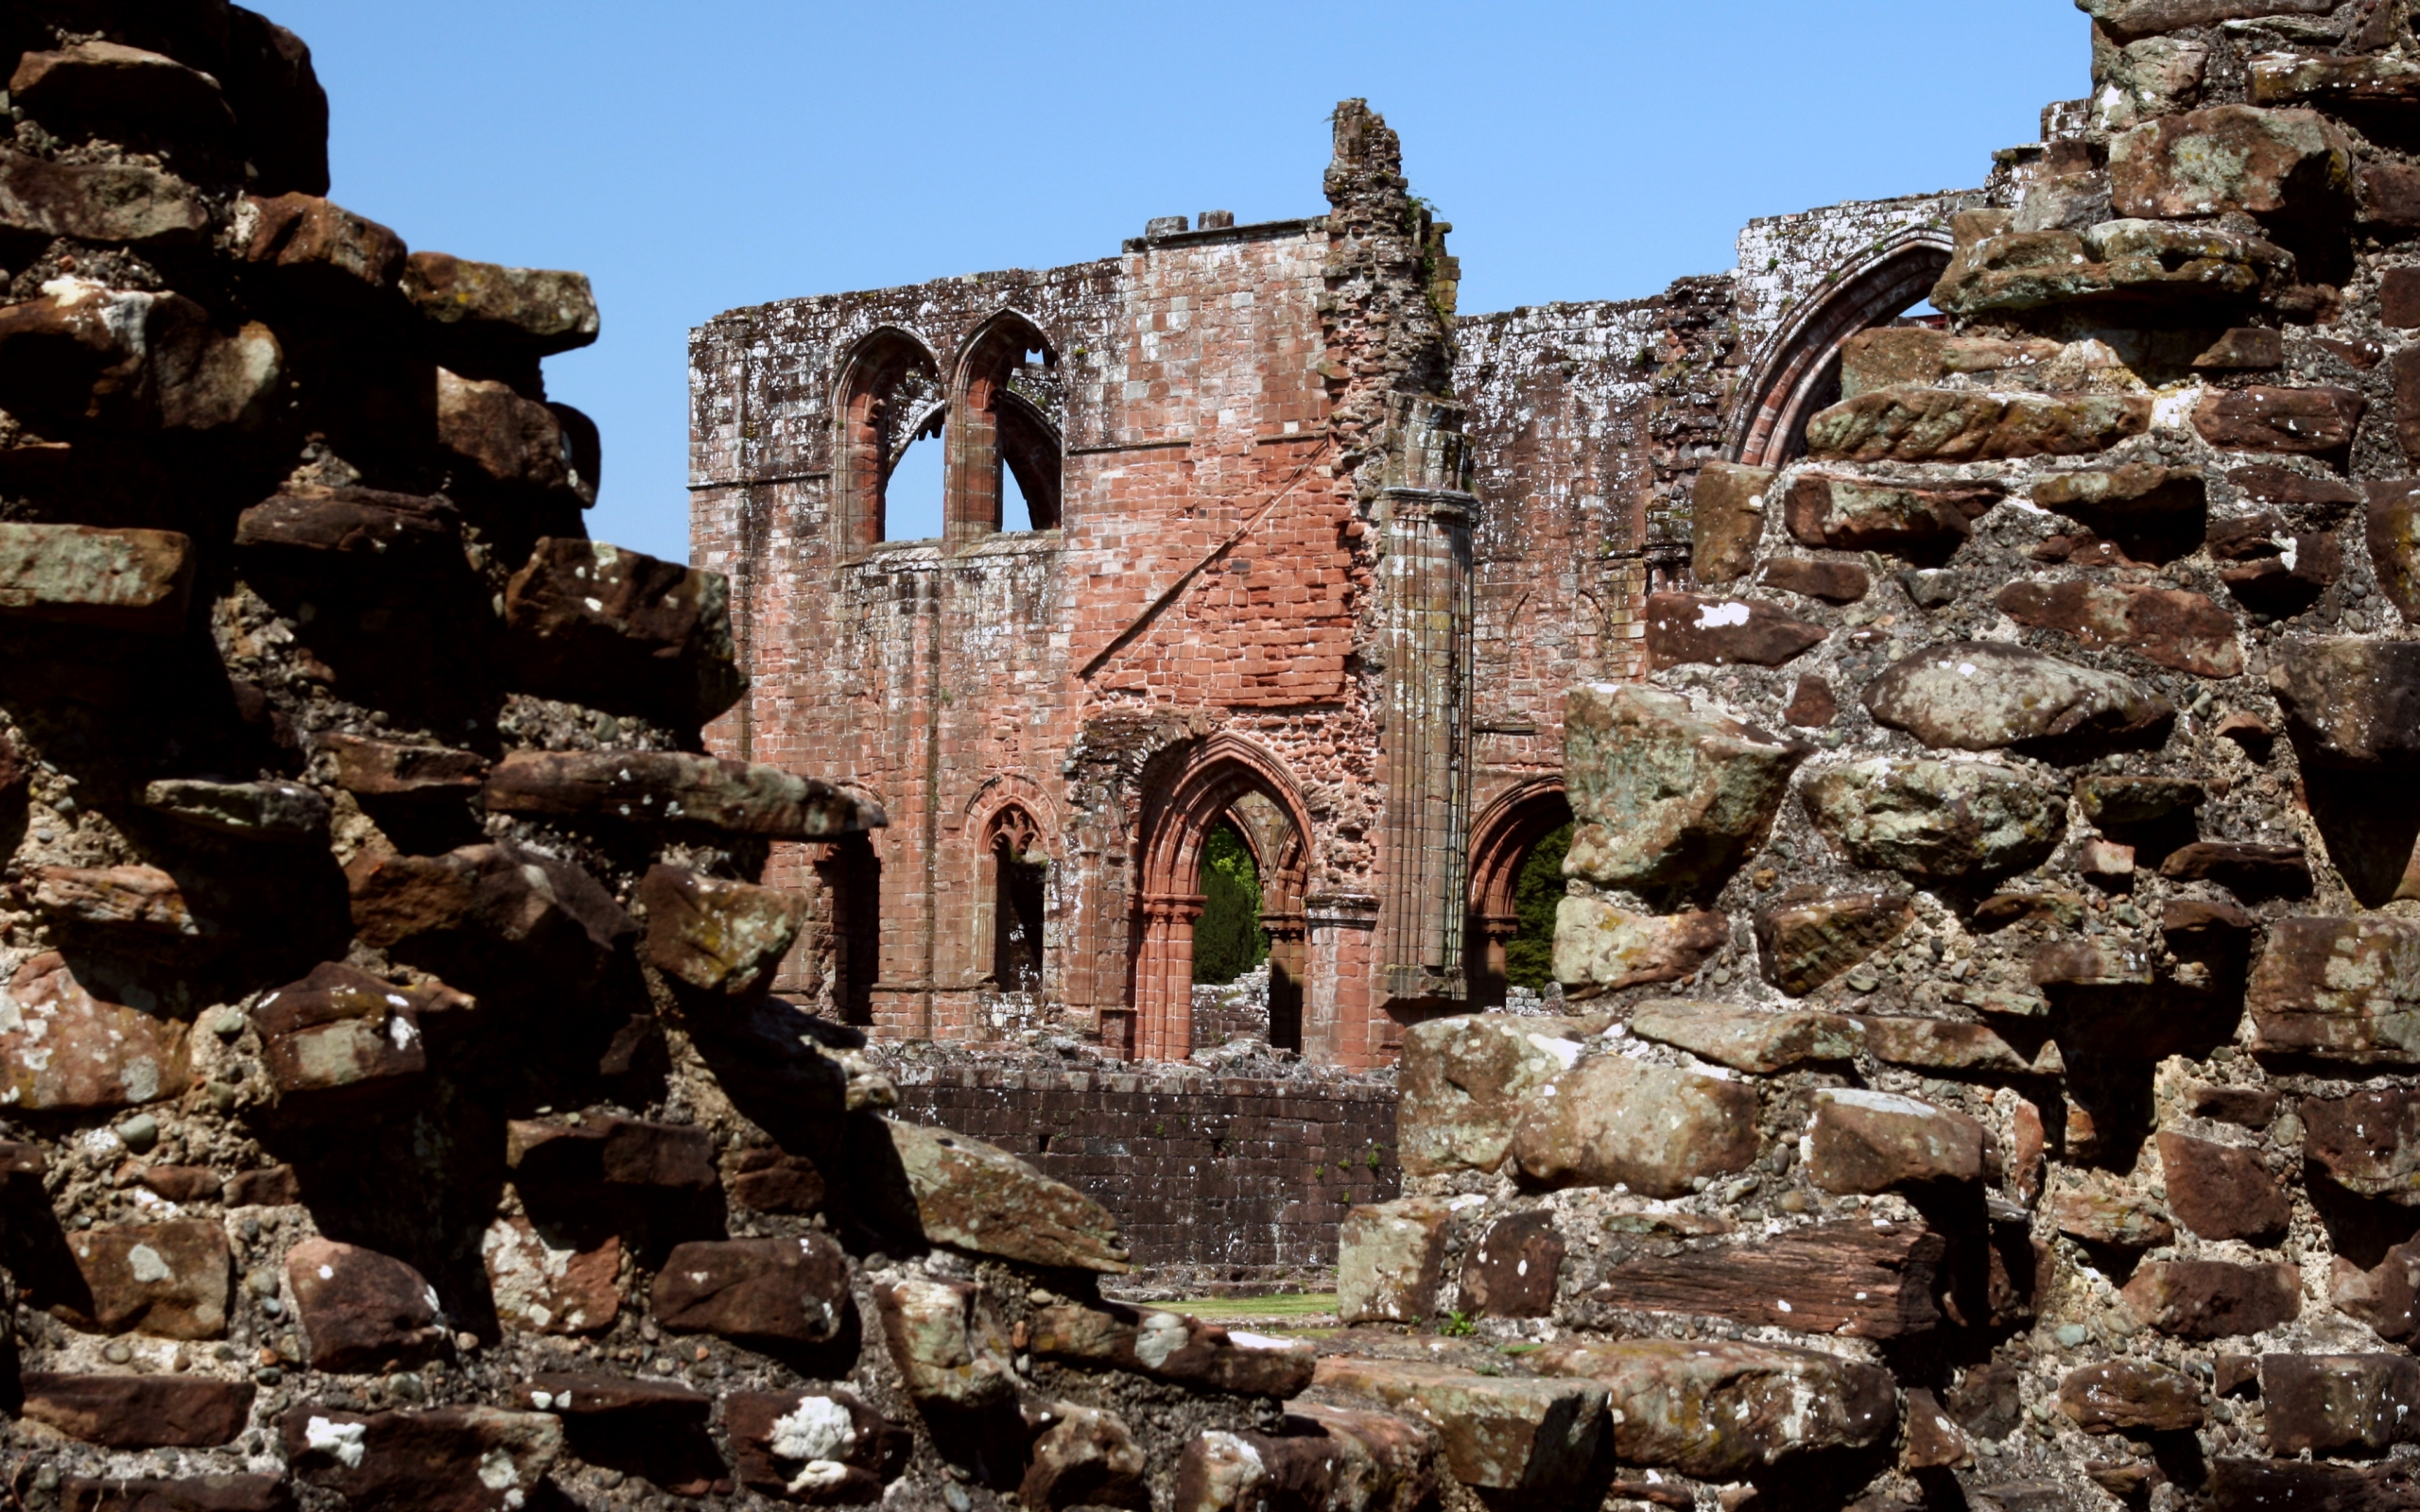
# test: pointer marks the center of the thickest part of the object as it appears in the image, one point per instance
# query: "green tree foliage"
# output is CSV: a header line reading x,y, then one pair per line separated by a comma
x,y
1227,938
1528,957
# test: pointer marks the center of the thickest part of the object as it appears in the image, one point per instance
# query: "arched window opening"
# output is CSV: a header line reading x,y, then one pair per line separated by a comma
x,y
852,878
1228,940
1008,408
1518,846
1528,954
1020,867
886,486
1799,374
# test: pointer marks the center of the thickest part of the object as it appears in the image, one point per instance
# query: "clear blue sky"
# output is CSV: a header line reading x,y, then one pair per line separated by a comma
x,y
695,157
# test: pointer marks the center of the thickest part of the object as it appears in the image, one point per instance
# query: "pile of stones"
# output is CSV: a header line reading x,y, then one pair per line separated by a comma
x,y
1994,940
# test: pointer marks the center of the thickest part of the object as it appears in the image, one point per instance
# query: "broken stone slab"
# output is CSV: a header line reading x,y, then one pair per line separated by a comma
x,y
140,899
488,915
776,1291
1719,1410
2095,962
1498,1433
2248,870
2128,21
813,1446
2130,490
1747,1038
2106,1210
1860,1278
502,441
2340,1403
1805,942
2386,1297
713,934
1935,819
619,629
197,1493
360,1309
135,580
978,1197
2300,421
1514,1267
1909,424
1726,519
386,768
2119,262
2121,800
63,1050
607,1150
494,311
2172,627
1325,1459
1602,945
98,202
1854,514
138,1411
1889,356
1171,1347
2130,1397
1687,628
2340,988
2292,78
320,253
2368,1143
1938,1044
441,1459
2265,1485
167,1279
1465,1079
2213,1299
86,355
545,1287
275,813
651,787
943,1341
623,1400
2284,165
772,1180
1985,696
2351,703
1085,1457
109,83
1665,797
354,524
1834,582
1862,1141
1613,1121
2392,521
1391,1259
343,1041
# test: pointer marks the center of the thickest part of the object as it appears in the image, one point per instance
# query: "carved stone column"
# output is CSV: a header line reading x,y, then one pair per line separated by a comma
x,y
1163,977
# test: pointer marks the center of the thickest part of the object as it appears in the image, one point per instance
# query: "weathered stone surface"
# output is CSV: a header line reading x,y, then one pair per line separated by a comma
x,y
1909,424
2243,349
1613,1121
2288,165
2131,489
82,575
1859,1280
1684,629
2249,1107
1726,519
1512,1269
2339,1404
132,360
2386,1297
721,936
1173,1347
1873,1142
360,1308
444,1459
1985,694
355,523
1811,705
139,1411
98,202
2351,703
487,912
2106,1210
622,630
1334,1459
1938,1044
140,899
1835,582
607,1150
1664,797
623,1399
342,1039
272,811
1498,1433
2212,1298
1719,1410
1085,1457
1600,944
384,769
1850,514
2272,569
63,1050
114,84
1934,819
512,312
273,1187
817,1446
2251,870
2121,262
945,1344
2130,1397
1391,1259
2128,21
2121,800
976,1196
200,1493
2263,1485
1747,1038
1808,942
168,1279
784,1291
1888,357
1465,1079
2338,987
551,1287
321,253
2300,420
2367,1141
503,441
2171,626
771,1181
2393,518
649,787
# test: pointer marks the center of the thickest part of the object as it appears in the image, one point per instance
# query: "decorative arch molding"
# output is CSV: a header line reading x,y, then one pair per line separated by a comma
x,y
1502,837
1002,789
1769,424
990,425
889,388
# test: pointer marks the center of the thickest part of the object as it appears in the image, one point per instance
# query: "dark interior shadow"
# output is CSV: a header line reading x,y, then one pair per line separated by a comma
x,y
2360,1230
678,1458
2368,822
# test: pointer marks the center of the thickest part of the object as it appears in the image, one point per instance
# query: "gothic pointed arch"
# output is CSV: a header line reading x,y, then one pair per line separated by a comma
x,y
889,395
1503,836
1000,409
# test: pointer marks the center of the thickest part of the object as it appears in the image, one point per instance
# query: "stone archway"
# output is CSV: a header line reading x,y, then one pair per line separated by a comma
x,y
1207,784
1798,372
1502,837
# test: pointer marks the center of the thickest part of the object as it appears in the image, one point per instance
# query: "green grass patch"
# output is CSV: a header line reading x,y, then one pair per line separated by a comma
x,y
1285,1304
